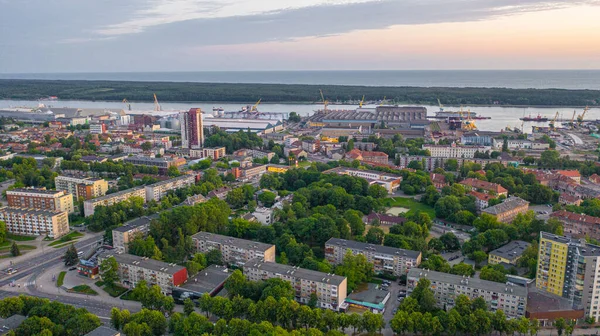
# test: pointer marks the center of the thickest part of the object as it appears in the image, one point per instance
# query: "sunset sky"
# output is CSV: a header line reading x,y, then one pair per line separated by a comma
x,y
197,35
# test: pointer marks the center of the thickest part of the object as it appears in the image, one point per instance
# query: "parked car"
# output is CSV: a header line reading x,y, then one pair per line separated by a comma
x,y
11,271
72,268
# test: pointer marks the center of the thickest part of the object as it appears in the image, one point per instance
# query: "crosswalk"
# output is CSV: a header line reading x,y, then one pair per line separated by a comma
x,y
29,283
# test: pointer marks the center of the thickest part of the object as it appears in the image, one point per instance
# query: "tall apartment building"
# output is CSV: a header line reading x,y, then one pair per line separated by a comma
x,y
384,258
40,199
110,199
158,190
86,188
235,251
35,222
570,268
125,233
330,289
133,269
192,131
511,299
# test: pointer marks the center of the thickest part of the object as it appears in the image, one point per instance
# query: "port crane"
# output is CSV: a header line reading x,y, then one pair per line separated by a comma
x,y
572,123
581,116
468,124
156,104
362,101
255,106
441,106
553,122
383,101
325,102
126,102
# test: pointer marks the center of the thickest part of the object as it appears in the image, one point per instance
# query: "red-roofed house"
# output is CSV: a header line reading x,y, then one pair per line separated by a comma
x,y
481,200
568,199
595,179
384,219
572,174
377,157
487,187
438,180
578,225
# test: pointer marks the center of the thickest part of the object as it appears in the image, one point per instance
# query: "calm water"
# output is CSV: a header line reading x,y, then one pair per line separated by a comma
x,y
501,116
564,79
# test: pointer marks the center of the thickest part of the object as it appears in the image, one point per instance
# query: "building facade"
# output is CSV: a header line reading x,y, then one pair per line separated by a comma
x,y
107,200
510,299
163,164
509,253
40,199
506,211
192,129
570,268
35,222
133,269
578,225
125,233
158,190
454,151
235,251
485,187
86,188
390,182
385,259
330,289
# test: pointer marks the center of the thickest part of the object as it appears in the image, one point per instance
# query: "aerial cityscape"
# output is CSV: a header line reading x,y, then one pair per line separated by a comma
x,y
194,167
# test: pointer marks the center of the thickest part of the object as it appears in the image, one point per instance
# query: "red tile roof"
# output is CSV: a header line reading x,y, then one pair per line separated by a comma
x,y
485,185
569,173
574,217
481,196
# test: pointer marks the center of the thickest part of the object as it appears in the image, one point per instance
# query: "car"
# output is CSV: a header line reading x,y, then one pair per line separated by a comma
x,y
11,271
400,299
72,268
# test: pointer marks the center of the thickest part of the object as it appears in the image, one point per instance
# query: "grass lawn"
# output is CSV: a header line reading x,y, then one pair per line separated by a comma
x,y
99,283
67,238
409,203
61,278
19,238
21,247
5,243
127,296
115,290
84,289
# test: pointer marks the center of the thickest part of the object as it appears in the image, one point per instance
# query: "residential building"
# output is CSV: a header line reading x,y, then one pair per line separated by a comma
x,y
518,144
385,259
330,289
568,199
192,129
97,128
103,331
245,174
454,151
568,267
107,200
133,269
578,225
163,164
219,193
389,181
481,200
259,154
82,187
572,174
485,187
31,222
289,141
214,153
477,138
509,253
235,251
510,299
438,180
367,156
263,215
431,162
125,233
506,211
594,178
194,199
311,146
383,219
158,190
40,199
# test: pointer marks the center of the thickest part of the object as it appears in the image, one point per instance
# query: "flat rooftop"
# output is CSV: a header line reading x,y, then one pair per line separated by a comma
x,y
103,331
117,194
351,244
477,283
302,273
226,240
24,211
538,302
207,280
36,191
135,223
147,263
175,179
511,250
509,204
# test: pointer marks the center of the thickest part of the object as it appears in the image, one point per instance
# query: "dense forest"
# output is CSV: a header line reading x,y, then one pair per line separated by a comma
x,y
247,93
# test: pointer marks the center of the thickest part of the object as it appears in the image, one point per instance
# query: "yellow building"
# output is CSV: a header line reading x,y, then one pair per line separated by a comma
x,y
509,253
277,168
552,263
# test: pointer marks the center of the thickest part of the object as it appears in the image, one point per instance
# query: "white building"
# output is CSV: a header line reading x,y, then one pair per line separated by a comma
x,y
35,222
158,190
389,181
110,199
454,151
263,215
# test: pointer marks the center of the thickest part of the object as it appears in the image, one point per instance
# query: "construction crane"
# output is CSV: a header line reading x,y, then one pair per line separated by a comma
x,y
255,106
156,104
383,101
573,120
469,124
126,102
362,101
580,117
441,106
553,122
325,102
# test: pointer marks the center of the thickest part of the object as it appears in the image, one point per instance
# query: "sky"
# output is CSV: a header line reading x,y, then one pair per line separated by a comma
x,y
45,36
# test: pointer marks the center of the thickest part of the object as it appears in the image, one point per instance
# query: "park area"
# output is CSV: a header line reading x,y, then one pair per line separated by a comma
x,y
406,205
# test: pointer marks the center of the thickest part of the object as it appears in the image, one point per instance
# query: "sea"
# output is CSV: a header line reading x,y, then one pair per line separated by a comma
x,y
501,117
521,79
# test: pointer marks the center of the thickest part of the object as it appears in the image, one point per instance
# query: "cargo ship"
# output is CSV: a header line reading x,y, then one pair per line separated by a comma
x,y
539,118
459,115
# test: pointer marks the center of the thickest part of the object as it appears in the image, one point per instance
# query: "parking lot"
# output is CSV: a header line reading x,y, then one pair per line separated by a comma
x,y
542,211
395,289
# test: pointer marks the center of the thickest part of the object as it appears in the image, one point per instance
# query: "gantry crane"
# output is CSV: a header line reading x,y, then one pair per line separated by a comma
x,y
156,104
553,122
580,117
469,124
324,101
126,102
362,101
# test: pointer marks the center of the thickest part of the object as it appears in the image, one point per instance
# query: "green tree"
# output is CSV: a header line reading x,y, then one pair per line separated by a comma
x,y
188,306
375,235
560,324
2,231
11,306
109,270
146,146
479,257
14,250
356,268
71,257
312,302
267,198
214,257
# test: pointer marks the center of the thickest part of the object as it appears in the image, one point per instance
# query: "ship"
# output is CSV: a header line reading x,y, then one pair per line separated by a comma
x,y
459,115
539,118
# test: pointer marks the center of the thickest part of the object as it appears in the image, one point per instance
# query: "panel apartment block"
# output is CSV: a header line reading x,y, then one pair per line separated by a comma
x,y
511,299
110,199
125,233
40,199
158,190
86,188
35,222
330,289
384,258
133,269
235,251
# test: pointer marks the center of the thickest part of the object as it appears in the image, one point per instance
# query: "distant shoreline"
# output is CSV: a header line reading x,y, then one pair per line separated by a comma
x,y
194,92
